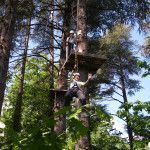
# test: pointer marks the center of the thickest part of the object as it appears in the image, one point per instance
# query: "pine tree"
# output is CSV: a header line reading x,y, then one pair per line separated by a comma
x,y
19,99
6,36
121,64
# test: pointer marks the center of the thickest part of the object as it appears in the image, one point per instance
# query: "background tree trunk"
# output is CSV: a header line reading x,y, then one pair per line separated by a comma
x,y
60,125
19,100
6,37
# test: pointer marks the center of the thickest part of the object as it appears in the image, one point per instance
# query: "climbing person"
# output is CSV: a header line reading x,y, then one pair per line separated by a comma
x,y
70,43
76,89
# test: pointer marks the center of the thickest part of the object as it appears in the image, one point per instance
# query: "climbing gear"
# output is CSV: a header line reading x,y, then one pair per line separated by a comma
x,y
75,85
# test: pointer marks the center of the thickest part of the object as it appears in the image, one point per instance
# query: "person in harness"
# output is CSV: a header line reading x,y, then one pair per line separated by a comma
x,y
70,43
75,89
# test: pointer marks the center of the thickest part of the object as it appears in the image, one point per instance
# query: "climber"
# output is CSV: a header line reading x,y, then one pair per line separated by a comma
x,y
76,89
70,43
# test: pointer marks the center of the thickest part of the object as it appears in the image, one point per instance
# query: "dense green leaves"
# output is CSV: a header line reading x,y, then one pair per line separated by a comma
x,y
139,120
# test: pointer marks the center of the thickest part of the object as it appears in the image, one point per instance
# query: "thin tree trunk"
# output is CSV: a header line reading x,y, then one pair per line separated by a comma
x,y
51,64
6,36
129,129
52,45
19,100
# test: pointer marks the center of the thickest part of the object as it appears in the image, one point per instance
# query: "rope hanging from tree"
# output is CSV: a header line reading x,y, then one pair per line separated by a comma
x,y
76,61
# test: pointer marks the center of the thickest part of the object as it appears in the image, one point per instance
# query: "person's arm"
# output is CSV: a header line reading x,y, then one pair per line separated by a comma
x,y
89,79
67,40
85,83
80,83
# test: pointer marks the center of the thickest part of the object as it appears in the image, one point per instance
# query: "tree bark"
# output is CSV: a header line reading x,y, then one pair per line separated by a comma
x,y
60,125
6,36
81,26
83,142
19,100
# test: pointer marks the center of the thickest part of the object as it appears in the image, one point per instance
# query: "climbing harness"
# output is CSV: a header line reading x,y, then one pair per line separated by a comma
x,y
75,85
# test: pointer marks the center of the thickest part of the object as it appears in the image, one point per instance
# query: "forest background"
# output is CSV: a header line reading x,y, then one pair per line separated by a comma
x,y
32,52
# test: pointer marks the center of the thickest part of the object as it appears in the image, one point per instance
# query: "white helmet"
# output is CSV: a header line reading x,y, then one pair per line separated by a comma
x,y
76,74
71,31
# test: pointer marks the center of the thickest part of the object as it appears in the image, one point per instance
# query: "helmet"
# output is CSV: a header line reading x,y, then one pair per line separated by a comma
x,y
71,31
76,74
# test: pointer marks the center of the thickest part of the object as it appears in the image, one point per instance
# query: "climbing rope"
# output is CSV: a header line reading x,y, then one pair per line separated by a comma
x,y
76,61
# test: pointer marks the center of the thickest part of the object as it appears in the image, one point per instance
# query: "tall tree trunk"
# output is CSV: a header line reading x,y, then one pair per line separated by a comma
x,y
60,125
6,37
129,129
83,142
81,25
19,100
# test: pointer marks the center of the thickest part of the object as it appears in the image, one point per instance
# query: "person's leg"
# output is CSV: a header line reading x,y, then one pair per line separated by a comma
x,y
69,49
67,52
72,48
68,97
81,97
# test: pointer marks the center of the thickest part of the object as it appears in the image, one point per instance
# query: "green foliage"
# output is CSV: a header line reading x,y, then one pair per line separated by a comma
x,y
75,129
36,132
36,127
120,66
139,121
103,140
39,136
105,14
105,137
146,66
117,46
